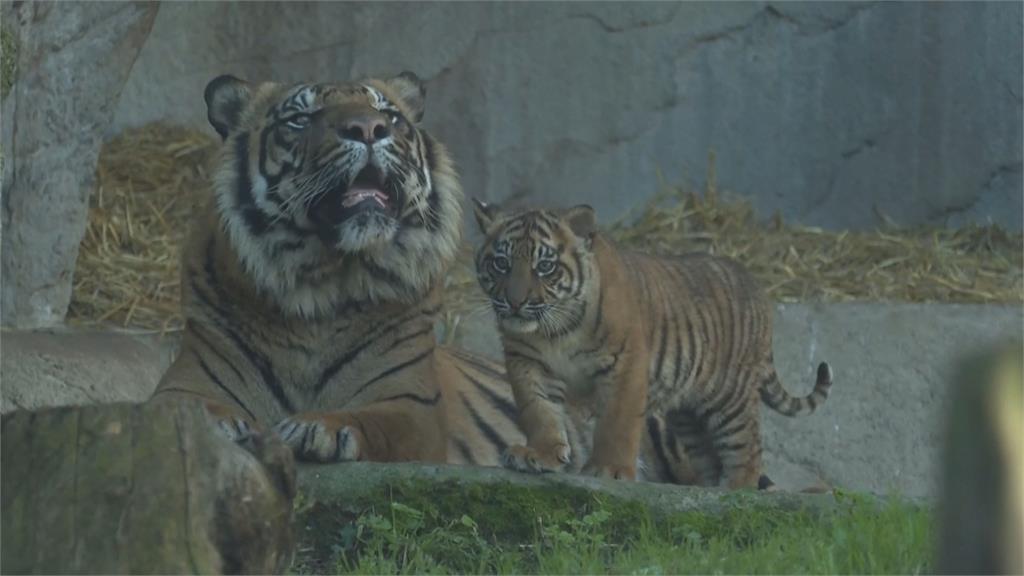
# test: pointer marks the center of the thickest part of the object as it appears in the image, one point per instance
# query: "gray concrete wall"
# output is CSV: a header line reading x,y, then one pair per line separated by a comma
x,y
820,110
879,431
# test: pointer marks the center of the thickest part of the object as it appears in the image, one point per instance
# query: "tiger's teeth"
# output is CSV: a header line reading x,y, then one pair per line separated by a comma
x,y
355,196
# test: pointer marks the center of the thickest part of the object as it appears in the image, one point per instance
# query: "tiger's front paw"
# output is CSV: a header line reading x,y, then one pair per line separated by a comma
x,y
235,428
321,437
610,470
530,459
230,423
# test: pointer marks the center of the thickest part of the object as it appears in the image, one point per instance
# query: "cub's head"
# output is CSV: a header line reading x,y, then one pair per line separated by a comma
x,y
537,267
333,192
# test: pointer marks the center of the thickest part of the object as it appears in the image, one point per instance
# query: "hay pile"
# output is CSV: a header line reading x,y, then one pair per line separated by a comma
x,y
794,263
147,183
148,179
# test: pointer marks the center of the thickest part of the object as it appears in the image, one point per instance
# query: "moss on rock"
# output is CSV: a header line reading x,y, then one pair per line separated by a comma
x,y
503,512
467,519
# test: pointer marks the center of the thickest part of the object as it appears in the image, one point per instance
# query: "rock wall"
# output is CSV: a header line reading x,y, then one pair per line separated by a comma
x,y
72,60
824,111
827,112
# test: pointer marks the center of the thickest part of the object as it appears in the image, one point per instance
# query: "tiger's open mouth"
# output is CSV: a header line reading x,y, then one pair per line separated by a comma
x,y
369,194
367,191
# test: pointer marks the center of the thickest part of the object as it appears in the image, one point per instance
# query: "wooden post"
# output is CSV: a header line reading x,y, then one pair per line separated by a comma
x,y
982,502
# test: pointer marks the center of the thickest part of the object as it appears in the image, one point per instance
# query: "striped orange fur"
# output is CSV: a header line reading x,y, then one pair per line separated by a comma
x,y
311,280
615,355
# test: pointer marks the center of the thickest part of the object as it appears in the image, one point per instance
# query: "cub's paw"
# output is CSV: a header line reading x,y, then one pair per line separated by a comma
x,y
321,437
608,470
529,459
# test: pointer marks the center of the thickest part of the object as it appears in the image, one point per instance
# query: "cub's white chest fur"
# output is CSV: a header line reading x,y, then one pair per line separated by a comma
x,y
577,366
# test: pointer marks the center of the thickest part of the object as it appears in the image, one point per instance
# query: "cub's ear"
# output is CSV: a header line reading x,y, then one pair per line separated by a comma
x,y
412,91
582,220
485,214
226,98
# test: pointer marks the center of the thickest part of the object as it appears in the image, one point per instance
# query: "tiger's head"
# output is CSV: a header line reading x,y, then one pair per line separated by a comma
x,y
537,267
333,192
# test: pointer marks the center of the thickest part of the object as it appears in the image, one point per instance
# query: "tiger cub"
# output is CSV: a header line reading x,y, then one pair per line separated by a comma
x,y
589,331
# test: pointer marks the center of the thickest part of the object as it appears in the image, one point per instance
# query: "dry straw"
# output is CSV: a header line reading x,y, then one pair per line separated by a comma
x,y
148,180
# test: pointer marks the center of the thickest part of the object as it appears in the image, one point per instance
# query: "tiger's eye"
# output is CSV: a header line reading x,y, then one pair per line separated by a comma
x,y
394,117
500,264
545,267
298,122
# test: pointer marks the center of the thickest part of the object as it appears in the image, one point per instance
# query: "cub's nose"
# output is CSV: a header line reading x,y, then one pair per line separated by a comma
x,y
366,128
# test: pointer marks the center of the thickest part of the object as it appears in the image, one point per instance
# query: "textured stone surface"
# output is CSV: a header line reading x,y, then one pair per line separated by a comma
x,y
62,367
73,59
822,110
141,489
879,431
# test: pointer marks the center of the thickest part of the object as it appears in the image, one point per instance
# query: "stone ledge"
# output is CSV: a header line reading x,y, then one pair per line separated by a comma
x,y
65,366
354,485
880,430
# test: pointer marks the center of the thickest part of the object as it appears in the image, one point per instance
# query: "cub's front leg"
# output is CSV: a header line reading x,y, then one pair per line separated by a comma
x,y
391,431
533,387
623,396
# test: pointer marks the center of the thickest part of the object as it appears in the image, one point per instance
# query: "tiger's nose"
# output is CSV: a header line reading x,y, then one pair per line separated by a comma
x,y
518,304
366,129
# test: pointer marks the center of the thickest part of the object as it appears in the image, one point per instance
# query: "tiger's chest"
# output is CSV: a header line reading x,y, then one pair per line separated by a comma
x,y
584,372
336,363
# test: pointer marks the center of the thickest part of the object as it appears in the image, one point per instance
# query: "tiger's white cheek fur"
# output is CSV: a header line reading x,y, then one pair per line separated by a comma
x,y
260,191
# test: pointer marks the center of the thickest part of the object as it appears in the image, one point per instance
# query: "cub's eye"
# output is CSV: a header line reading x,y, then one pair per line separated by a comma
x,y
298,122
500,264
545,267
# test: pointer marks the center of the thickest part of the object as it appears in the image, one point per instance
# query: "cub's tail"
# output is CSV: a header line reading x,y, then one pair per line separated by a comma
x,y
775,396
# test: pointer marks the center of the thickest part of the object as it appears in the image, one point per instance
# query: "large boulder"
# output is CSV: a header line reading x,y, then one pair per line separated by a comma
x,y
62,366
132,489
72,60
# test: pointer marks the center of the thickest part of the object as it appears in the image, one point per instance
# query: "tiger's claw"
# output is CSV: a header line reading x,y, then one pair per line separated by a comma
x,y
316,440
529,459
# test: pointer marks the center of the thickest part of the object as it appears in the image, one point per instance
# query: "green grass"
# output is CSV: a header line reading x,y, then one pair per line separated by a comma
x,y
861,536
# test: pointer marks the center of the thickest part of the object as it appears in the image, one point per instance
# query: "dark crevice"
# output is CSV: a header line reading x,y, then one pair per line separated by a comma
x,y
610,29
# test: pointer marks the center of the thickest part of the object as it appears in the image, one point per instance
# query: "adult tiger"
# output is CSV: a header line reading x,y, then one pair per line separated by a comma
x,y
310,281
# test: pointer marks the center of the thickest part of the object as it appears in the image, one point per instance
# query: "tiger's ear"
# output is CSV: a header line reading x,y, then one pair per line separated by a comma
x,y
226,98
485,214
411,90
582,220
